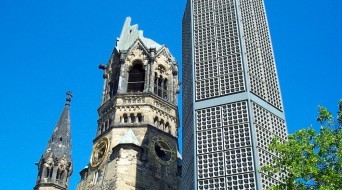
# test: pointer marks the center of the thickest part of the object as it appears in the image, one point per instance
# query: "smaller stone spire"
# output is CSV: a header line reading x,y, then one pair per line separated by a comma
x,y
55,165
60,141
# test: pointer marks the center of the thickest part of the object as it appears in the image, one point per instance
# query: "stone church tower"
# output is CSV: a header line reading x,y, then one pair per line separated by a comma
x,y
136,140
55,165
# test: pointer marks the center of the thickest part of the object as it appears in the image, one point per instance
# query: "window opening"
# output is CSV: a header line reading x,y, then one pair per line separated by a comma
x,y
160,82
140,118
125,118
160,86
136,78
132,118
156,121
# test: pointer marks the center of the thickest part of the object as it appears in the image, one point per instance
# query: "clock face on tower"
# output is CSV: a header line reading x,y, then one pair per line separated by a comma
x,y
162,150
99,152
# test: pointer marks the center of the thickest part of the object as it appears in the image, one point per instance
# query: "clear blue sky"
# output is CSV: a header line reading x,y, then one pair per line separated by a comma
x,y
49,47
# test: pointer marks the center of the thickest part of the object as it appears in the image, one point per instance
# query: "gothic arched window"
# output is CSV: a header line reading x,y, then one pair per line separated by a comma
x,y
132,118
136,78
156,121
160,86
140,117
162,124
125,118
60,174
49,171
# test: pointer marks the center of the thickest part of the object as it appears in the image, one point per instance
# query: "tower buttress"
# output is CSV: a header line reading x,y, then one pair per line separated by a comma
x,y
55,165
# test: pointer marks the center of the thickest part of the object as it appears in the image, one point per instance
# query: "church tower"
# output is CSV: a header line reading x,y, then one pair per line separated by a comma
x,y
55,165
136,140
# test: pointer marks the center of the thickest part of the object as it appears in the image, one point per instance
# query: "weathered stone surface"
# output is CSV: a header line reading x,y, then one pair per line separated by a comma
x,y
132,121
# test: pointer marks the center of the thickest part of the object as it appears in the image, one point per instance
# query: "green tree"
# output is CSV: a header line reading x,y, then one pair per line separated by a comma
x,y
311,159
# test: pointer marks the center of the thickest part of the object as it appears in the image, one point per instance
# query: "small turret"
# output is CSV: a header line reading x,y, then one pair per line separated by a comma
x,y
55,165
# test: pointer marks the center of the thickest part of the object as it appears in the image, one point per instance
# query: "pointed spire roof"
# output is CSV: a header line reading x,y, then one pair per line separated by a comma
x,y
129,138
60,141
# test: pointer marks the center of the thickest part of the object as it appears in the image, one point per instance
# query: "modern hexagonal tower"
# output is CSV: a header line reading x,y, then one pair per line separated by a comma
x,y
232,105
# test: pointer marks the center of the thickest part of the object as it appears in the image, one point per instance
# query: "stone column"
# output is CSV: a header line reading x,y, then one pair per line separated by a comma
x,y
147,78
162,87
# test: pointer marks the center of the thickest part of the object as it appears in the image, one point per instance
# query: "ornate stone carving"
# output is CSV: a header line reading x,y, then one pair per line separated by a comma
x,y
161,69
162,65
49,164
136,54
62,164
162,60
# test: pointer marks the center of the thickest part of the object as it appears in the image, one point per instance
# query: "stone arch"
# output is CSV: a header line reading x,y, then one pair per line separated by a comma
x,y
140,117
163,63
132,117
156,121
136,52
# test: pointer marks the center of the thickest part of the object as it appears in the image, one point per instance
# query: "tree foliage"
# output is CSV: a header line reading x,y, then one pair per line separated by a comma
x,y
311,159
